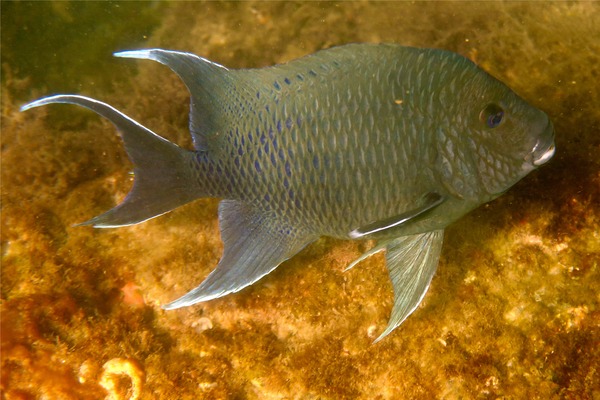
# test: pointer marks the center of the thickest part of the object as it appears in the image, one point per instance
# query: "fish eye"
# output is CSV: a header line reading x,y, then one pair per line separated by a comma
x,y
492,115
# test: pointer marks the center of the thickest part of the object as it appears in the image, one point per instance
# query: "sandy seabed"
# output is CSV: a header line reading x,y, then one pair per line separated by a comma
x,y
512,311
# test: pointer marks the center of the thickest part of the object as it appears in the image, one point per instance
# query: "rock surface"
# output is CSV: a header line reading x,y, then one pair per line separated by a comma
x,y
512,312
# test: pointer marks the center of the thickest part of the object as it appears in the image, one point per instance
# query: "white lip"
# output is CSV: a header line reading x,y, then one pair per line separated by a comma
x,y
544,148
547,155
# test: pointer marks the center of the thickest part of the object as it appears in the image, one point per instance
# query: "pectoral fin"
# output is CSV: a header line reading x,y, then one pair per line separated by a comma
x,y
255,244
430,201
411,262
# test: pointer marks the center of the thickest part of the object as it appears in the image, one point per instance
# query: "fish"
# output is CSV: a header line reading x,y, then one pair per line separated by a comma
x,y
378,142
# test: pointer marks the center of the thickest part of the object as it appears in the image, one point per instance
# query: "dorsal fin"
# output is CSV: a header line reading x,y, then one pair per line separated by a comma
x,y
205,81
326,60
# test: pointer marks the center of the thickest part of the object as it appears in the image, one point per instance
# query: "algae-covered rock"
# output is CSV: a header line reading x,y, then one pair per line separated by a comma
x,y
511,313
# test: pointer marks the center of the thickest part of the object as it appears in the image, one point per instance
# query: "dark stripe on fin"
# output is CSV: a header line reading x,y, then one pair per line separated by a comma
x,y
161,169
205,81
254,244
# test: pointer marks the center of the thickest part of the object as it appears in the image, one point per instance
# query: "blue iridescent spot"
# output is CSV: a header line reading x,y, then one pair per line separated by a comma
x,y
258,95
273,159
267,197
291,194
266,148
263,138
240,151
316,161
286,80
274,140
277,86
299,121
286,183
288,123
257,166
259,152
288,169
278,126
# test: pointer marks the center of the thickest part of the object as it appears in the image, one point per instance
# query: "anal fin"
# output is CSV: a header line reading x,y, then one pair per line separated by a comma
x,y
255,243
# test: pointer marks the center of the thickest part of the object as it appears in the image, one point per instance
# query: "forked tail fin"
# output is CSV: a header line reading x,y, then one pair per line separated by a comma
x,y
162,170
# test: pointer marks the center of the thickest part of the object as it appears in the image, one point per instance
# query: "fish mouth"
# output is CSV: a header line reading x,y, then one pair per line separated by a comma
x,y
545,148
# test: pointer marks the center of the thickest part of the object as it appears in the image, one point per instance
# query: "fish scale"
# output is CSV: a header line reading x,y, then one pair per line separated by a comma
x,y
361,141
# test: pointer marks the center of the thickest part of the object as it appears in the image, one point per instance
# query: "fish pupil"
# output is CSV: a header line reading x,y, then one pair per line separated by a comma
x,y
492,115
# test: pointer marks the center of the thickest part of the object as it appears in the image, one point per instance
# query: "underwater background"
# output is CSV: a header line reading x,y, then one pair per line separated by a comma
x,y
511,313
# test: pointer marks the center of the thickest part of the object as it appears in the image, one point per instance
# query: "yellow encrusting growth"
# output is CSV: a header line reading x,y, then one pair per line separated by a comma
x,y
117,368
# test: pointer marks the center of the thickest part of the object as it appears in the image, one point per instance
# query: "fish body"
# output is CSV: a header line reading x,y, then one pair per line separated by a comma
x,y
359,141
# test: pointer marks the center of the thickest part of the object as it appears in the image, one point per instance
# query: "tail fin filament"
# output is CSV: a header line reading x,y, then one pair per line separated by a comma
x,y
163,179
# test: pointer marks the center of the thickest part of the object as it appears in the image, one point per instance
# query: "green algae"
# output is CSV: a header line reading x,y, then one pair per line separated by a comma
x,y
512,311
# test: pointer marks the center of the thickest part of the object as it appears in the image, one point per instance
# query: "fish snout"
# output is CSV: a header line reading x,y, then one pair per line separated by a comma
x,y
544,148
